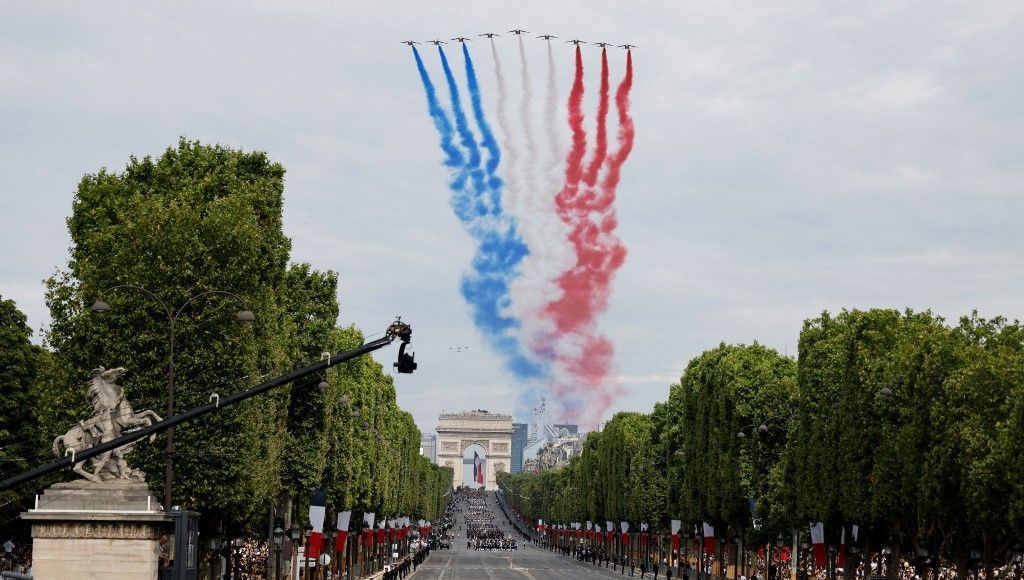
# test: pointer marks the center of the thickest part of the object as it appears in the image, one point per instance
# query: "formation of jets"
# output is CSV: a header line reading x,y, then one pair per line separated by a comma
x,y
520,32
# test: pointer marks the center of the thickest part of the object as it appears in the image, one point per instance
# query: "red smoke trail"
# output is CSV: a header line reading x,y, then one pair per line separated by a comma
x,y
601,148
626,131
599,254
574,161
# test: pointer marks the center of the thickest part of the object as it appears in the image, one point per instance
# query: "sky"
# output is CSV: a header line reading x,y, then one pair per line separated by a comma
x,y
790,157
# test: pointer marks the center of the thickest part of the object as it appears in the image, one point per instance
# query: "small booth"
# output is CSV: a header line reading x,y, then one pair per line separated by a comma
x,y
179,547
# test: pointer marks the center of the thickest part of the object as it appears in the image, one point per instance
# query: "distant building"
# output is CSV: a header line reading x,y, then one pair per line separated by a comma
x,y
428,446
572,429
519,434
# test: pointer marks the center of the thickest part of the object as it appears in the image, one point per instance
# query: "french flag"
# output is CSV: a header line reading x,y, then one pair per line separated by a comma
x,y
478,469
317,511
343,520
709,539
818,544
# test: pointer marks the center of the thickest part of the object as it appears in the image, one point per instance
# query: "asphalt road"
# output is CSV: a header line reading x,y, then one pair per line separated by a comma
x,y
526,563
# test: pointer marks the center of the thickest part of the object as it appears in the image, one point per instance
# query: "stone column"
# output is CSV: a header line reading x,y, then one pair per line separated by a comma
x,y
82,529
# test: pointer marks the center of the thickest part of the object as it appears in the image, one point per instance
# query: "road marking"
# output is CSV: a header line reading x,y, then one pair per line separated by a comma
x,y
523,571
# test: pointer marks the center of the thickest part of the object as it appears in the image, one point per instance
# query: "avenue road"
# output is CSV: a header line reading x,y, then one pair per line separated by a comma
x,y
526,563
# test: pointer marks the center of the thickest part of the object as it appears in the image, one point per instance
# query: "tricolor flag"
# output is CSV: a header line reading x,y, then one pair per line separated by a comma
x,y
343,520
709,539
317,511
676,525
478,469
818,544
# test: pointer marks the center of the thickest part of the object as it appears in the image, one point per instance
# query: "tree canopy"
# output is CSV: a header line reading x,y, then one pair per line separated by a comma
x,y
199,230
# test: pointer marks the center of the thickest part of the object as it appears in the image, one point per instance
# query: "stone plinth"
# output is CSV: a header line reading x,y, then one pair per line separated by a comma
x,y
83,529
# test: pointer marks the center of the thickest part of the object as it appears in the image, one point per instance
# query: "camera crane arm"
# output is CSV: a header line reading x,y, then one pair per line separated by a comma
x,y
398,329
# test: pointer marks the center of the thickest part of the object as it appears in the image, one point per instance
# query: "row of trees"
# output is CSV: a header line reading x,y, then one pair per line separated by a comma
x,y
898,422
196,219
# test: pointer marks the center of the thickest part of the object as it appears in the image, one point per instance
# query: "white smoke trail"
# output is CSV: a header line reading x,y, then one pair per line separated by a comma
x,y
545,234
513,189
551,120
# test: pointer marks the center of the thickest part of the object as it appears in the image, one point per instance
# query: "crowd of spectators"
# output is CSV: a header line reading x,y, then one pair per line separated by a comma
x,y
251,559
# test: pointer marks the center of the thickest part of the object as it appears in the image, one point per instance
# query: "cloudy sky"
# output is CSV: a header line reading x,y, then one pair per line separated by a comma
x,y
790,157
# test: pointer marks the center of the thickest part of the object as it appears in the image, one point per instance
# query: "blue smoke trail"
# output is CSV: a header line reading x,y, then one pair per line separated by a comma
x,y
489,143
453,156
476,201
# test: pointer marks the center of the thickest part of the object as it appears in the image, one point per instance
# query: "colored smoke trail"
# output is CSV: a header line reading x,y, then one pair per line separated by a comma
x,y
585,354
476,201
574,159
551,112
465,202
494,183
541,228
453,156
626,131
525,104
601,147
512,192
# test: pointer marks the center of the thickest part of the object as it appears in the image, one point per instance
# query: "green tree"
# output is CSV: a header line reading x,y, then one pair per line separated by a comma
x,y
19,427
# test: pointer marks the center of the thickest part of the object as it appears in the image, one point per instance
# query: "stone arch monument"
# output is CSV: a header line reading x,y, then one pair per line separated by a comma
x,y
492,431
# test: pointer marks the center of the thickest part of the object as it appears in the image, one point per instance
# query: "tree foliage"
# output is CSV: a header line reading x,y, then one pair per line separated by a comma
x,y
895,421
200,228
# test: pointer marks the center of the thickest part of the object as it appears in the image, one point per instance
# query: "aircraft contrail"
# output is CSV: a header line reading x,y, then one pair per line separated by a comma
x,y
583,351
499,249
513,197
601,146
551,113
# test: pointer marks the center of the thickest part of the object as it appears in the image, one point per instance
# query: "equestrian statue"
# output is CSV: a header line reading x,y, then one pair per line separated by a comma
x,y
112,415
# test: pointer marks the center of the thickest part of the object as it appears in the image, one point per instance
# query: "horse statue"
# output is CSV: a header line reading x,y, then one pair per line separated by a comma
x,y
112,415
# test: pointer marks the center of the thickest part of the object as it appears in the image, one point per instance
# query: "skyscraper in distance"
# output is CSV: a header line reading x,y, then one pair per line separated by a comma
x,y
519,433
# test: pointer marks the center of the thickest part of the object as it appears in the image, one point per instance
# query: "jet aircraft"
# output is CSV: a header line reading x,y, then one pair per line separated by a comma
x,y
517,31
574,42
437,42
602,44
547,36
462,39
409,42
627,46
490,34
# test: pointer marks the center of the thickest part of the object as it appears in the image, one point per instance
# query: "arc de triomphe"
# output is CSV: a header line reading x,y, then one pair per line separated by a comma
x,y
492,431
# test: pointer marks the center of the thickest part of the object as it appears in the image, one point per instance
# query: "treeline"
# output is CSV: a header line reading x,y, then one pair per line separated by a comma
x,y
899,423
202,218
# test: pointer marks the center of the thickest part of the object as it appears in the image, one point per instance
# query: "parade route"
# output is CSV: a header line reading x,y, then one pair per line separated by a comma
x,y
526,563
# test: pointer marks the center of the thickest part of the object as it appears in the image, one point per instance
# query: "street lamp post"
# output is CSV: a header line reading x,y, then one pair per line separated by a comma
x,y
244,317
278,540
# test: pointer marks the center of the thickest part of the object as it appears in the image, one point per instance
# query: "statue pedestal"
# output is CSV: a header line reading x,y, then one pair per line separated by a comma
x,y
82,529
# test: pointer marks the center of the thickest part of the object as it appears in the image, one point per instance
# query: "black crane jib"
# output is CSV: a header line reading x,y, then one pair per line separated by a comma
x,y
398,329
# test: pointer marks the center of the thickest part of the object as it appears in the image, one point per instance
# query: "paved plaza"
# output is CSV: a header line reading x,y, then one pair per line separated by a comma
x,y
526,563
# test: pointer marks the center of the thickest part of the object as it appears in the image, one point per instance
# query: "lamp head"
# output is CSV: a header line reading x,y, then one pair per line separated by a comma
x,y
245,317
100,307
